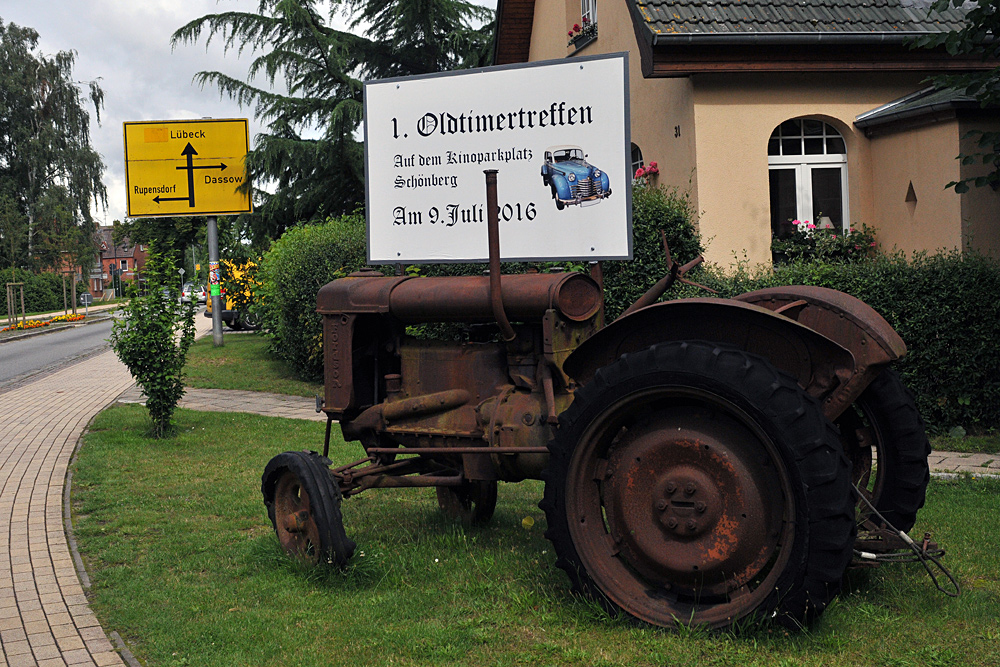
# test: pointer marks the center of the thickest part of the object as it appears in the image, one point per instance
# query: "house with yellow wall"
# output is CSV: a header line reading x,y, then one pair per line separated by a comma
x,y
781,110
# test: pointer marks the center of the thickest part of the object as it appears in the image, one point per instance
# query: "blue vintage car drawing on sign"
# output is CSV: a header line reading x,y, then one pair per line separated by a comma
x,y
571,178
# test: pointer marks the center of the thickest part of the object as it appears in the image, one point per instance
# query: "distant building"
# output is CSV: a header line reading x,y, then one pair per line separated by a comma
x,y
124,260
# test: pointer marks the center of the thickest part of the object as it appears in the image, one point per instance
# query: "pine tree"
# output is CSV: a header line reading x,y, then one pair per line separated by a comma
x,y
310,156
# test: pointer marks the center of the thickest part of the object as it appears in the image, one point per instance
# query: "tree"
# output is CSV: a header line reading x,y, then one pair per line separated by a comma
x,y
47,165
154,337
310,155
979,37
173,236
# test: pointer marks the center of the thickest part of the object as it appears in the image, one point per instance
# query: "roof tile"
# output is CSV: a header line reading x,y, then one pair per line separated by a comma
x,y
796,16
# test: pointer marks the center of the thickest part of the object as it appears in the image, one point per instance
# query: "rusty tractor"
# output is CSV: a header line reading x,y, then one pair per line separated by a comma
x,y
700,456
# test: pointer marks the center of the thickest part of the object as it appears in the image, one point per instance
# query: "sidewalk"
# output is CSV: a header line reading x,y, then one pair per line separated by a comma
x,y
950,464
45,618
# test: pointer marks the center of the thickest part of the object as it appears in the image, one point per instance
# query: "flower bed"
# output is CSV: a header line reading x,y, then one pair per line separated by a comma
x,y
37,324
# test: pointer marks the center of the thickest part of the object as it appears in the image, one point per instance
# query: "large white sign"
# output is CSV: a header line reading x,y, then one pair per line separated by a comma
x,y
557,133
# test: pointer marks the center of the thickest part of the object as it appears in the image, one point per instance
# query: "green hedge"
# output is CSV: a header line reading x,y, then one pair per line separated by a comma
x,y
42,292
291,272
945,308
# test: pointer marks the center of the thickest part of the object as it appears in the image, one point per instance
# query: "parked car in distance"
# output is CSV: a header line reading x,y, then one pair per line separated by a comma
x,y
191,291
571,178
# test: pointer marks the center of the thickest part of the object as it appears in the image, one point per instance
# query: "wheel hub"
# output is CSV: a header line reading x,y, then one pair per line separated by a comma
x,y
688,502
692,507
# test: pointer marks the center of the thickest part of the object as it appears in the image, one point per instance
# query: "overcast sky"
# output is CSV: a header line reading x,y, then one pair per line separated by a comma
x,y
126,43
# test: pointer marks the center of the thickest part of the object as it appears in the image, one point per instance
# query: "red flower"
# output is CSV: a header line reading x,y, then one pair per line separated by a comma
x,y
640,172
586,20
570,33
576,27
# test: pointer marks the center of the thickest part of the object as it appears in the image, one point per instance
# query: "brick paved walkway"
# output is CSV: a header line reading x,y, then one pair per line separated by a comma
x,y
257,402
44,615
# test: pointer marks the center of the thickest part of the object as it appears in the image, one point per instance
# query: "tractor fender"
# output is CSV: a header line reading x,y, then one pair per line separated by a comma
x,y
838,316
820,365
849,321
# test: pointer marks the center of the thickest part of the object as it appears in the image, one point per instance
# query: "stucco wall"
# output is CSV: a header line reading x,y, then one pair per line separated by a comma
x,y
980,206
736,114
924,156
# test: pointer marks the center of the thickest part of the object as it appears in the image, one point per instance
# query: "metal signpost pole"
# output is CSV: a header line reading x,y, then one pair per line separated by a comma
x,y
215,290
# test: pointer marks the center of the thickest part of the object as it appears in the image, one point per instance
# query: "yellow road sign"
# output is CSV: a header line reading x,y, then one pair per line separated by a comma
x,y
186,167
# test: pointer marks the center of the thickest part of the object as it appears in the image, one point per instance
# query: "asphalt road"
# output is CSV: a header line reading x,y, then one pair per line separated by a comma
x,y
30,356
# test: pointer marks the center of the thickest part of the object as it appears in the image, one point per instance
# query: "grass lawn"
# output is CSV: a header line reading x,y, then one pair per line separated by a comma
x,y
186,568
245,363
974,444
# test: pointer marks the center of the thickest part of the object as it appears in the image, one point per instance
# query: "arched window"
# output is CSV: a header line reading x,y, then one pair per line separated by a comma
x,y
807,169
636,158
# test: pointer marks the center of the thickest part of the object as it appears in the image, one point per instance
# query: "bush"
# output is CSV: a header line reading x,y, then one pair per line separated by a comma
x,y
153,339
42,291
291,272
809,243
944,307
655,209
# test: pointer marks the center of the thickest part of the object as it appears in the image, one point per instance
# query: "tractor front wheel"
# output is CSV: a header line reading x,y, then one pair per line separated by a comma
x,y
884,437
303,504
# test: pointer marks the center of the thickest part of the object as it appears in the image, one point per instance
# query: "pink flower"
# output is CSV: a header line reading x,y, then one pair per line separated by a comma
x,y
873,244
857,247
834,236
640,172
653,165
810,225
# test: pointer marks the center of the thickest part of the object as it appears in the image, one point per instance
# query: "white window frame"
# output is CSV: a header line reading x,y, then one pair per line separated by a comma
x,y
636,165
803,166
588,10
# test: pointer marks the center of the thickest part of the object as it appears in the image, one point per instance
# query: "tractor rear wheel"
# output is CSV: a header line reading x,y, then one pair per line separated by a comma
x,y
695,484
303,504
884,437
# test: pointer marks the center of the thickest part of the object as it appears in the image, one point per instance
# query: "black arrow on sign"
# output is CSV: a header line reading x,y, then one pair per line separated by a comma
x,y
190,152
159,199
